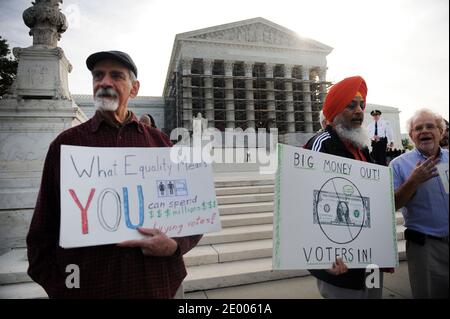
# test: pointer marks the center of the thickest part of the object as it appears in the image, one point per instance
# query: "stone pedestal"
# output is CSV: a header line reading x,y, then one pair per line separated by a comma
x,y
42,73
38,108
27,127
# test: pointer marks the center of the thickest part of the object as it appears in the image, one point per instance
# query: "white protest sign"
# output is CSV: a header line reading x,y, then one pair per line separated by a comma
x,y
443,174
106,193
328,206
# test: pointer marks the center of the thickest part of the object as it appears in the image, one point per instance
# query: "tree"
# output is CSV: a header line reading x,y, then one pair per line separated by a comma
x,y
8,67
406,144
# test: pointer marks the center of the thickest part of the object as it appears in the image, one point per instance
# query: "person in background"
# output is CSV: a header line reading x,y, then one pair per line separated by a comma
x,y
323,121
148,120
381,135
444,141
151,267
420,194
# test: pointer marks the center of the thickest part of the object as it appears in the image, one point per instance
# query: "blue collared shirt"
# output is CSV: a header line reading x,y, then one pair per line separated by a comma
x,y
427,210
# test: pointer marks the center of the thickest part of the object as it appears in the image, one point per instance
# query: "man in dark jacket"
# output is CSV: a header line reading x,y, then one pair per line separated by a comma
x,y
151,267
344,136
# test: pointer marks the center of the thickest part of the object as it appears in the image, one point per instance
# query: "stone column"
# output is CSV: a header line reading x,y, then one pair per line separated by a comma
x,y
209,96
307,110
289,98
250,102
323,86
271,115
187,93
38,108
229,94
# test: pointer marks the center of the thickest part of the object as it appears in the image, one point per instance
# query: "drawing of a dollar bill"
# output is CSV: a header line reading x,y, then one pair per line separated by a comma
x,y
341,210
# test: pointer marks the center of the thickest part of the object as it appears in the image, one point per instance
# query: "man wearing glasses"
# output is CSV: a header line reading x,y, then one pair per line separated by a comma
x,y
344,136
420,193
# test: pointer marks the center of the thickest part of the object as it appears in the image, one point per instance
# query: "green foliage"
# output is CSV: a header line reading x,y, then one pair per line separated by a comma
x,y
8,67
406,144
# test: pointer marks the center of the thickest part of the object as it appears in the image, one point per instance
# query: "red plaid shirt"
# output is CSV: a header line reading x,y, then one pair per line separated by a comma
x,y
105,271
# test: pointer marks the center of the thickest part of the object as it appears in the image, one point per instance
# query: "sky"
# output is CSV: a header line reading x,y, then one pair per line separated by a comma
x,y
400,47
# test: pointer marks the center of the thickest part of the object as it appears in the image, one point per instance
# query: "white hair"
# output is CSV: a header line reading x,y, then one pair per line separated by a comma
x,y
133,76
437,118
104,103
357,136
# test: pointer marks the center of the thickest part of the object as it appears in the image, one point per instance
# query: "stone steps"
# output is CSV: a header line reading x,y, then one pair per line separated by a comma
x,y
246,198
239,254
243,182
223,191
235,273
246,219
239,233
229,209
13,267
24,290
231,244
203,277
253,232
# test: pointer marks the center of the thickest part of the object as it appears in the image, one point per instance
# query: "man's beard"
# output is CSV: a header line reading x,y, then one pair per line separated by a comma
x,y
357,136
106,99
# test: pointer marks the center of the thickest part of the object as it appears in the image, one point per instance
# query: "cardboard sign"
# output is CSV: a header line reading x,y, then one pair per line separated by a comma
x,y
443,174
106,193
328,206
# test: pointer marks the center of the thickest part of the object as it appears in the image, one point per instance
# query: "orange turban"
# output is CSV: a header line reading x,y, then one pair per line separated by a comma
x,y
341,94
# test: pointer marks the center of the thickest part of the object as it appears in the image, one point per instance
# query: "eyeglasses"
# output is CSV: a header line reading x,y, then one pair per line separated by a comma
x,y
428,126
353,104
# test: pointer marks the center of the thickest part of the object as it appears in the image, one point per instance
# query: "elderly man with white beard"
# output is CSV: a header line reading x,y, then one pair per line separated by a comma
x,y
152,267
344,136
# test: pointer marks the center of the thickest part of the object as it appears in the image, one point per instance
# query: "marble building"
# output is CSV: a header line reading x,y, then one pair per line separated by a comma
x,y
248,74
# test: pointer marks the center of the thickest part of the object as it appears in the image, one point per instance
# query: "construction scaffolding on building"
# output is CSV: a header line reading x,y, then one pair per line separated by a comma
x,y
245,95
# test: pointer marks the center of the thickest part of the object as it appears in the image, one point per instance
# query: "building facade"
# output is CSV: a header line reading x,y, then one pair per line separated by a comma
x,y
248,74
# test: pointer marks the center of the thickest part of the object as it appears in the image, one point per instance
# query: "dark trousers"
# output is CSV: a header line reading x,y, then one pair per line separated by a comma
x,y
379,151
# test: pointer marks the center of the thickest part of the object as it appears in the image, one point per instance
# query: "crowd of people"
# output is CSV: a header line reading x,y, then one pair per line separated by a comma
x,y
153,267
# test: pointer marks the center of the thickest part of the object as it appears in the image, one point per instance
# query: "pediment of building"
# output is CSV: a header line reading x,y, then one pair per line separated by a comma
x,y
255,31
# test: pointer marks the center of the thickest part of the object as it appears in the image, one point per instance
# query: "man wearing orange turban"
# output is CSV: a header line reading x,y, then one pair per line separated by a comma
x,y
344,136
341,94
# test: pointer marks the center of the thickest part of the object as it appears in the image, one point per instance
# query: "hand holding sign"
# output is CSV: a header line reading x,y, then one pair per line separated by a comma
x,y
338,267
156,243
342,218
108,193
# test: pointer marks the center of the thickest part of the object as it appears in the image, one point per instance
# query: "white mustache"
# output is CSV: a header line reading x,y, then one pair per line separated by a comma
x,y
106,92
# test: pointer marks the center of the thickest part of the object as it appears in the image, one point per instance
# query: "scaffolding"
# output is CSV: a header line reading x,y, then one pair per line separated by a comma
x,y
257,101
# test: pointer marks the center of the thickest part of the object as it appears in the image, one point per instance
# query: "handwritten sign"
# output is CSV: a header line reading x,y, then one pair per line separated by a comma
x,y
328,206
106,193
443,174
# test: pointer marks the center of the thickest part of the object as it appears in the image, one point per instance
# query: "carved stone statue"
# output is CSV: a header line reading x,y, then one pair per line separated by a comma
x,y
46,22
201,121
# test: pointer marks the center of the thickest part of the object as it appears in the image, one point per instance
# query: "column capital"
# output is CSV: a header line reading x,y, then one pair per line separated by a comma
x,y
248,66
208,66
228,65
